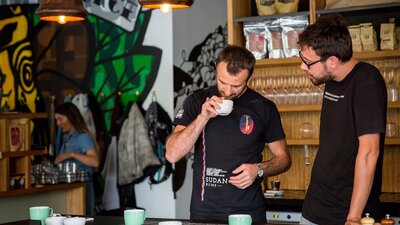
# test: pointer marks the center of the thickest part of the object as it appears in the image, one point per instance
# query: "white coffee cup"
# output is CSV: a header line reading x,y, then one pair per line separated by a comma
x,y
75,221
170,223
55,220
226,107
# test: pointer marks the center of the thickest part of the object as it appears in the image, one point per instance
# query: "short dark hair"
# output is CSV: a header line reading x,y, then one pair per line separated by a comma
x,y
74,116
237,59
328,36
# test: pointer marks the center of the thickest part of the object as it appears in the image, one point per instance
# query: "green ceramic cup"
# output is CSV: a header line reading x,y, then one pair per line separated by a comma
x,y
134,216
40,213
239,219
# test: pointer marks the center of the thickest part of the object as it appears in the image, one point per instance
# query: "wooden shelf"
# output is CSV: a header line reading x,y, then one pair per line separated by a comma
x,y
299,108
353,9
302,141
386,54
42,188
308,108
23,153
17,115
17,161
300,195
388,141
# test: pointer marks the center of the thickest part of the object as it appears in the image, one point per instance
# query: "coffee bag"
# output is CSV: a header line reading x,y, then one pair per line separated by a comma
x,y
388,36
355,33
368,37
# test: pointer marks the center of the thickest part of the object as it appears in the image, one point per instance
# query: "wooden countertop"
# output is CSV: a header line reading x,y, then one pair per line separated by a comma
x,y
300,195
41,188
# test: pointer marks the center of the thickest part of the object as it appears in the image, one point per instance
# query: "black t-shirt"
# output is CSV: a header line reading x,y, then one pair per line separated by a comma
x,y
350,108
225,143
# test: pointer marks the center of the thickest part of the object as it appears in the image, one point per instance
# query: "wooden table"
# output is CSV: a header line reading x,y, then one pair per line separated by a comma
x,y
75,195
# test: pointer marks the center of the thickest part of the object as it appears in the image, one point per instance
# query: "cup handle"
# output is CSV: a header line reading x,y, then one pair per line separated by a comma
x,y
51,212
145,216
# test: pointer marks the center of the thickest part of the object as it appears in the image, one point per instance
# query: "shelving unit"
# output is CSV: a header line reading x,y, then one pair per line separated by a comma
x,y
303,150
17,161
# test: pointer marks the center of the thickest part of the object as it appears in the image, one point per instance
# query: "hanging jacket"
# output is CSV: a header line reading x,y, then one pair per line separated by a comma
x,y
160,126
135,152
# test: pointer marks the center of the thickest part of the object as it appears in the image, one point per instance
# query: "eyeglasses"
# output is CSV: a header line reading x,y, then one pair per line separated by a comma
x,y
310,64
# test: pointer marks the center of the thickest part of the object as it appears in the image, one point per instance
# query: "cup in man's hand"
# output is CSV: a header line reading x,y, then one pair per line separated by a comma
x,y
226,107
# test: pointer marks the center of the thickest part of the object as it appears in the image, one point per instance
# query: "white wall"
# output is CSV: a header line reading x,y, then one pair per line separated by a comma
x,y
17,207
158,199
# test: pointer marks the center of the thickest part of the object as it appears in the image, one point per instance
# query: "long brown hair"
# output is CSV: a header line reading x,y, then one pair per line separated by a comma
x,y
72,113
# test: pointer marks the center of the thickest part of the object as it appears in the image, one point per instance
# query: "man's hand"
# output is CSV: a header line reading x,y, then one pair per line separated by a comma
x,y
244,176
208,109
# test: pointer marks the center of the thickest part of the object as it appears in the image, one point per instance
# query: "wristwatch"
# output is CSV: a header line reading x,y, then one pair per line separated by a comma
x,y
260,170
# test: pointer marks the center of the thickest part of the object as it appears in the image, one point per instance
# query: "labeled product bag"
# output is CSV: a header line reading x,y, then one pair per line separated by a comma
x,y
286,6
368,37
398,37
355,33
388,36
274,39
256,39
265,7
18,132
292,27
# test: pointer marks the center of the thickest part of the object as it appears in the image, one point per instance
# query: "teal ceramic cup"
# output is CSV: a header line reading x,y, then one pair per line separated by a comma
x,y
40,213
239,219
134,216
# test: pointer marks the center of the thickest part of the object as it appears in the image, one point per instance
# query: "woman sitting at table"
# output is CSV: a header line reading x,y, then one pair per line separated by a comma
x,y
78,146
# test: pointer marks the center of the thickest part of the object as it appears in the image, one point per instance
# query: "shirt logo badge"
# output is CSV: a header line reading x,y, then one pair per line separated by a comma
x,y
180,113
246,124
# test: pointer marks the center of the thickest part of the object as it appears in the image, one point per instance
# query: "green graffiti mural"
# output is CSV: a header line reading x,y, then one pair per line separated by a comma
x,y
96,57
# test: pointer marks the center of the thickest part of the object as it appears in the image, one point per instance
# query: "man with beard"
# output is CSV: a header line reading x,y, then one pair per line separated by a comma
x,y
228,168
346,178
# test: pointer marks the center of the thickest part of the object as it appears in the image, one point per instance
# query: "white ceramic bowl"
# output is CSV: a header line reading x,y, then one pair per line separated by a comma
x,y
75,221
55,220
170,223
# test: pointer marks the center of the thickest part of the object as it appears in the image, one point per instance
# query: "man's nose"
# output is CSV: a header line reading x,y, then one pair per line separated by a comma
x,y
303,66
228,90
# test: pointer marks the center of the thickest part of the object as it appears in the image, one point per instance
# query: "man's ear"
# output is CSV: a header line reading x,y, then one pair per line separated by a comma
x,y
333,62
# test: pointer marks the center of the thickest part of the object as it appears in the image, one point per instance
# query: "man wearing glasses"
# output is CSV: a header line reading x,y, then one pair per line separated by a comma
x,y
347,172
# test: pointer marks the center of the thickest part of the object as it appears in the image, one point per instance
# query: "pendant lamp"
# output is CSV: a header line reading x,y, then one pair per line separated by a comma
x,y
61,11
166,5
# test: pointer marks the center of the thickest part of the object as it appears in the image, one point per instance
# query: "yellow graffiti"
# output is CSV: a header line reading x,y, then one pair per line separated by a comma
x,y
20,33
16,63
8,83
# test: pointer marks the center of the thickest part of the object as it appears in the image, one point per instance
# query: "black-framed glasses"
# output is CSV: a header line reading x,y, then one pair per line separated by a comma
x,y
312,63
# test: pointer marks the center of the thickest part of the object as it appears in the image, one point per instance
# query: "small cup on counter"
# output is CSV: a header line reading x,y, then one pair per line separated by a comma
x,y
239,219
134,216
40,213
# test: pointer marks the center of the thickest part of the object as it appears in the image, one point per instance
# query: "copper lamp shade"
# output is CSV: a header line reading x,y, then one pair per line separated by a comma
x,y
173,4
61,11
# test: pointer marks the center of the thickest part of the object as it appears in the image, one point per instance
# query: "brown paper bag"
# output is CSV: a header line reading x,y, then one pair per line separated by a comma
x,y
355,33
368,37
388,36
